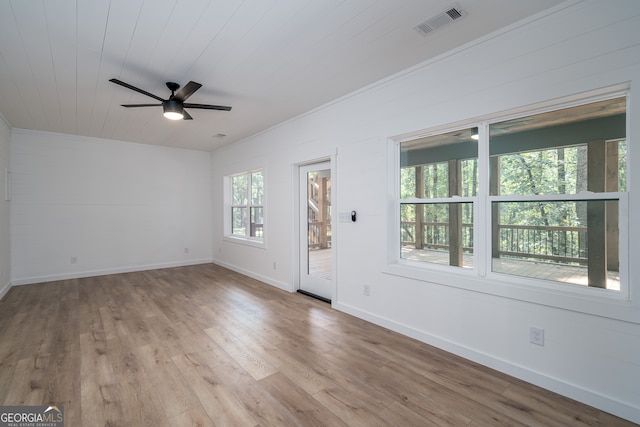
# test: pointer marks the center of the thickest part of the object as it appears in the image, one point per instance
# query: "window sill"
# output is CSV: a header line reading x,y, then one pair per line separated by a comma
x,y
256,243
592,301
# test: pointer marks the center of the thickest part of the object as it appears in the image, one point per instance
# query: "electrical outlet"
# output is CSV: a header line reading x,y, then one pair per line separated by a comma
x,y
366,290
536,336
275,266
74,260
186,250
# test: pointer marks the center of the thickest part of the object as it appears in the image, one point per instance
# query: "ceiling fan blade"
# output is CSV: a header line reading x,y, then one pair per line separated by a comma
x,y
207,107
128,86
187,90
140,105
186,116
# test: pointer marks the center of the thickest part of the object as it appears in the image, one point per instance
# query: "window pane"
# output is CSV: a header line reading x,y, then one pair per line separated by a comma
x,y
257,188
407,183
239,221
436,180
566,151
565,241
469,178
622,165
239,190
257,222
439,166
439,233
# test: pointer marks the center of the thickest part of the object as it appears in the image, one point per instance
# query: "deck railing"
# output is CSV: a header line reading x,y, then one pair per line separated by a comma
x,y
316,241
318,216
559,244
436,235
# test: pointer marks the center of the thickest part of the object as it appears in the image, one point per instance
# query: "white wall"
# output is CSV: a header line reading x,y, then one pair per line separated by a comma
x,y
5,240
575,48
115,206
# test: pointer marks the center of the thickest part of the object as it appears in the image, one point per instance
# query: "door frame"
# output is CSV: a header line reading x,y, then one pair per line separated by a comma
x,y
297,247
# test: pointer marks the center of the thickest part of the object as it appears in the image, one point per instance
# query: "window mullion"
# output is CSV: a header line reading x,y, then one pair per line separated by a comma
x,y
453,199
247,231
482,215
582,196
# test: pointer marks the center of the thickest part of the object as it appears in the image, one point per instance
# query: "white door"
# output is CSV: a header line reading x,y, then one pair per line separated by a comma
x,y
316,260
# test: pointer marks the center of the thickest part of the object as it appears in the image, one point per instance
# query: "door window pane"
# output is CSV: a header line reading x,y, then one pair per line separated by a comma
x,y
319,223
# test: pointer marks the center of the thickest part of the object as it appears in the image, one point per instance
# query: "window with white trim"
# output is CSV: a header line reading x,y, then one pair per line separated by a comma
x,y
548,203
438,189
246,205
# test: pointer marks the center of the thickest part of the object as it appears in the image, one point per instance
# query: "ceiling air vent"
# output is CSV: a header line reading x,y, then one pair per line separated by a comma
x,y
440,20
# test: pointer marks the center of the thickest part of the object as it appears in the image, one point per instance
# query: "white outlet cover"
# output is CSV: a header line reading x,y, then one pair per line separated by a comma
x,y
536,336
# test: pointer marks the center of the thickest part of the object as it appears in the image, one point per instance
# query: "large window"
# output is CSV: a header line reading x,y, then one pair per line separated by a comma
x,y
546,193
246,205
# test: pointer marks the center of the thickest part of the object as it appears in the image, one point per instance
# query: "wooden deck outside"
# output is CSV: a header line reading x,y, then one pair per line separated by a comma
x,y
320,266
576,275
320,263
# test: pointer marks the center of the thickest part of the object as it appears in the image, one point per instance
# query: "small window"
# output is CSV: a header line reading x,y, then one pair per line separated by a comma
x,y
247,205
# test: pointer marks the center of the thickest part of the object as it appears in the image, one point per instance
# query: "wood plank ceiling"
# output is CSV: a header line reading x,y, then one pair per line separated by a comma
x,y
270,60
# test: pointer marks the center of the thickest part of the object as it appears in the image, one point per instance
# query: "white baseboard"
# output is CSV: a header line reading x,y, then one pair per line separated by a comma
x,y
93,273
269,281
623,410
5,289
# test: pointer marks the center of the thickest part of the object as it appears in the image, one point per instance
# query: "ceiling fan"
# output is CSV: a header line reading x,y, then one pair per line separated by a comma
x,y
175,105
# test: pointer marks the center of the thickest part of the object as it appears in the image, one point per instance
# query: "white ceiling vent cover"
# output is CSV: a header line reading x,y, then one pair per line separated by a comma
x,y
440,20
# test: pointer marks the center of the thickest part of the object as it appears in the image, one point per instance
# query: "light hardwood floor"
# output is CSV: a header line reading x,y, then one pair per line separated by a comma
x,y
202,345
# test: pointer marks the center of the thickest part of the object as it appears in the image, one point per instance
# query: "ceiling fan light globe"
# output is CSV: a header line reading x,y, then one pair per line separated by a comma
x,y
173,115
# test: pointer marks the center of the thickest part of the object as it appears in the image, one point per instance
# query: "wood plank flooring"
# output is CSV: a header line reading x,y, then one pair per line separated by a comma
x,y
204,346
